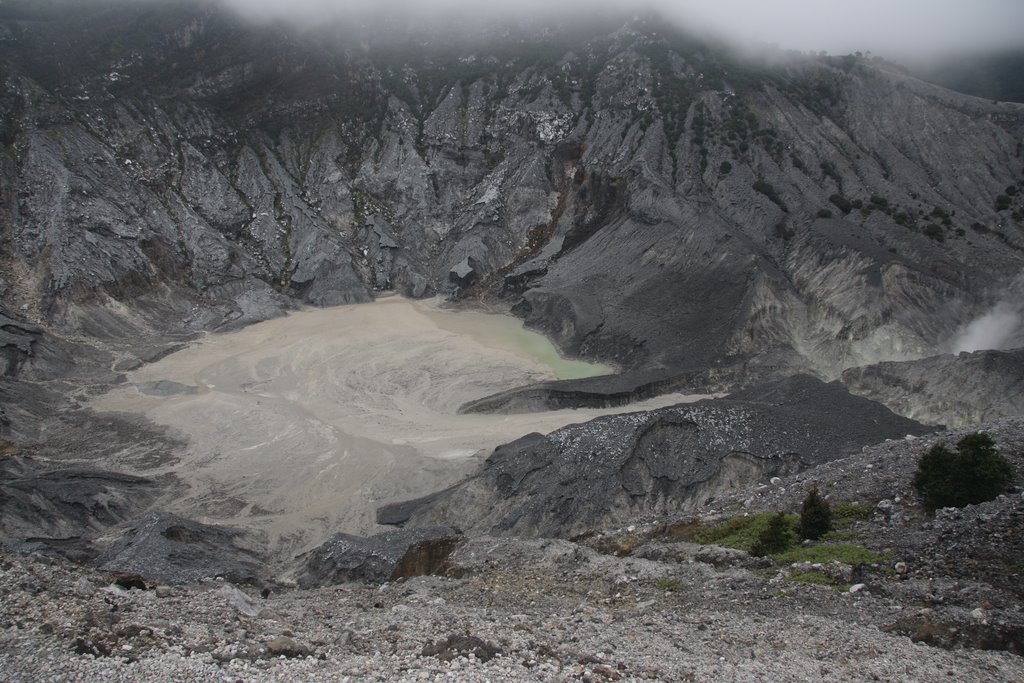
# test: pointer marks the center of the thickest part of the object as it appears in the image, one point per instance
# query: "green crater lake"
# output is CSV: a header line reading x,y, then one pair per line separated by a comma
x,y
505,332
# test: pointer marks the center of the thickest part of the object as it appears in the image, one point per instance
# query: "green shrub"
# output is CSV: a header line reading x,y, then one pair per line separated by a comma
x,y
824,213
777,537
934,232
769,191
841,202
815,516
976,472
725,168
828,170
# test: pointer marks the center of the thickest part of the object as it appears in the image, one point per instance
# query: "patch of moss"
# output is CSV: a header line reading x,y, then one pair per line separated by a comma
x,y
827,552
814,578
845,513
840,536
740,532
668,584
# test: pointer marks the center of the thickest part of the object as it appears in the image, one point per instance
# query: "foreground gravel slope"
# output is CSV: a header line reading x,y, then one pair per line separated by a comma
x,y
552,610
595,618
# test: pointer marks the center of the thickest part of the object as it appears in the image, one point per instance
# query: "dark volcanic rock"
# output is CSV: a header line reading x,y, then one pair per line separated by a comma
x,y
606,391
667,460
283,646
959,390
460,645
51,504
16,340
379,558
168,548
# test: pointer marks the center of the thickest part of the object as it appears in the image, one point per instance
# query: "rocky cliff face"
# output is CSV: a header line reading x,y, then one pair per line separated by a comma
x,y
640,195
957,391
616,468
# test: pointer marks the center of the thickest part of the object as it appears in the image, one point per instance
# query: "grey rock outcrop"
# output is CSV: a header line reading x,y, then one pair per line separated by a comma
x,y
57,507
658,462
175,550
378,558
16,340
954,390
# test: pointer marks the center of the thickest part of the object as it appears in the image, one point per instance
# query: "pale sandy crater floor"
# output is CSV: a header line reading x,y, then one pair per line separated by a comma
x,y
302,426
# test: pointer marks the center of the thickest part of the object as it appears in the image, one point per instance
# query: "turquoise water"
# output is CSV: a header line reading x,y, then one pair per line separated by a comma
x,y
508,333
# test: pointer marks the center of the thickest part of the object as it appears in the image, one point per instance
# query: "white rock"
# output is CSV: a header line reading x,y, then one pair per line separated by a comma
x,y
857,587
239,600
84,587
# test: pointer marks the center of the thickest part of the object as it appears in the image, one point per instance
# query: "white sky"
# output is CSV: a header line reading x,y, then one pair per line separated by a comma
x,y
896,28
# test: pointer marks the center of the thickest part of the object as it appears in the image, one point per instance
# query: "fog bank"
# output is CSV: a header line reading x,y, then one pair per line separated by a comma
x,y
907,29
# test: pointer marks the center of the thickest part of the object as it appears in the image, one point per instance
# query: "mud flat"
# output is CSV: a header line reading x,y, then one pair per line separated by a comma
x,y
301,426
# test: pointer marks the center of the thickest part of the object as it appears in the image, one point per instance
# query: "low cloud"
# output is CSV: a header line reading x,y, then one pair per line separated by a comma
x,y
910,29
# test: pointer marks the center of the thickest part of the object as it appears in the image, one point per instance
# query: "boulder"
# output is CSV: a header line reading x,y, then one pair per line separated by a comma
x,y
379,558
175,550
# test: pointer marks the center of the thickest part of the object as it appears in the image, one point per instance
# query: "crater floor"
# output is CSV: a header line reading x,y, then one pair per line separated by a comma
x,y
302,426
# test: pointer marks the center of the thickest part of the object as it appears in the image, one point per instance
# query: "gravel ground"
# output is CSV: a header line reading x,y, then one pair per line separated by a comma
x,y
556,610
526,610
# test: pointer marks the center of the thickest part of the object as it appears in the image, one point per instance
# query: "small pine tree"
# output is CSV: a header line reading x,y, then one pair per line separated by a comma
x,y
777,537
976,472
815,516
933,478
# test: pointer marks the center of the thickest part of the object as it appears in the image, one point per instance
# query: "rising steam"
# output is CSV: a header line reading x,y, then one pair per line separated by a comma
x,y
1000,328
905,28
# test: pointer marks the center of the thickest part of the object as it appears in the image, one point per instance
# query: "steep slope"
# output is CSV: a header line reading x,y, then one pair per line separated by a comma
x,y
642,196
956,391
612,469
